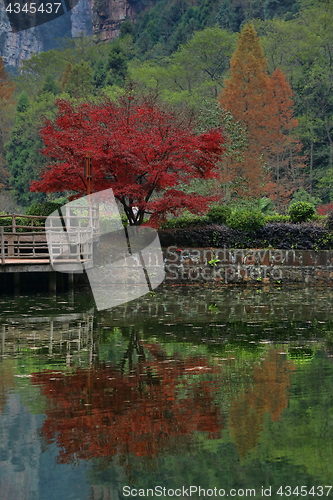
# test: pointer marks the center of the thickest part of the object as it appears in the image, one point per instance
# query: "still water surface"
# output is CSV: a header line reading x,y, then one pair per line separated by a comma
x,y
214,388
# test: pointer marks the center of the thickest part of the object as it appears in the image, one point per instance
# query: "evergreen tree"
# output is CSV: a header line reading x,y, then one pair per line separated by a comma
x,y
23,157
100,73
117,65
22,103
79,82
51,86
127,28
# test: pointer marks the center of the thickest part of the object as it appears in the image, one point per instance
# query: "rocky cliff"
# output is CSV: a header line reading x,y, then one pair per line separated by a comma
x,y
107,15
102,17
14,47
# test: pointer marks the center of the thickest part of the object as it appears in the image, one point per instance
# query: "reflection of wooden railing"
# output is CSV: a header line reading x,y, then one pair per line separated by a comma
x,y
68,332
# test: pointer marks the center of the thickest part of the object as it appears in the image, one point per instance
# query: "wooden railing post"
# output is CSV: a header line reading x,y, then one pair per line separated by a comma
x,y
2,245
13,224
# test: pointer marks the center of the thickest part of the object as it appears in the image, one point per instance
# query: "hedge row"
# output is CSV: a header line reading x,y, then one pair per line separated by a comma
x,y
302,236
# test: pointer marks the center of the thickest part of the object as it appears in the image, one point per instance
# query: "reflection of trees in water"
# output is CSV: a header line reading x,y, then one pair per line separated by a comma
x,y
104,411
6,382
269,394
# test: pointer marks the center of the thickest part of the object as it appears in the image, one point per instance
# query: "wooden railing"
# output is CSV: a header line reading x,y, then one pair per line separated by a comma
x,y
92,217
13,226
18,241
27,245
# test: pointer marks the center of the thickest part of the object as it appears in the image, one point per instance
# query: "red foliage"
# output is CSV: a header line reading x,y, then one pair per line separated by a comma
x,y
138,150
101,412
325,209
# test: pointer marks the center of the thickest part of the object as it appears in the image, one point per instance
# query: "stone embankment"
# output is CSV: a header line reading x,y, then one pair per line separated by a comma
x,y
247,266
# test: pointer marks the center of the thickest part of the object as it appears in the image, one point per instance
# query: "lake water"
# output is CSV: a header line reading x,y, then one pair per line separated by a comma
x,y
194,392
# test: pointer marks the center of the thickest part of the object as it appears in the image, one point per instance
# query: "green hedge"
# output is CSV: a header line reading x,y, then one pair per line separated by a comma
x,y
20,221
45,208
246,220
277,218
186,221
219,214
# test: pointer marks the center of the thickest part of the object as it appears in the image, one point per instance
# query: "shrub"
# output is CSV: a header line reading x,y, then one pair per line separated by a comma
x,y
329,221
305,236
246,220
301,211
277,218
5,221
219,214
186,221
45,208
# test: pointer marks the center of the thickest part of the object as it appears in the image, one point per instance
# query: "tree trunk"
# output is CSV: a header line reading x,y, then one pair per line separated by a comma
x,y
311,166
327,127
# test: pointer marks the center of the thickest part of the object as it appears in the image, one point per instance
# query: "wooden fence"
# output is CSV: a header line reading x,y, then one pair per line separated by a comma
x,y
28,242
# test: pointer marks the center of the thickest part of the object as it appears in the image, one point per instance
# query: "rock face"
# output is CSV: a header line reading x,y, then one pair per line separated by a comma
x,y
82,18
14,47
109,14
100,17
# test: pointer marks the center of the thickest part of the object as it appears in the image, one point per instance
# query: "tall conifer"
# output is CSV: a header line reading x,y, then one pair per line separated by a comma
x,y
284,147
247,96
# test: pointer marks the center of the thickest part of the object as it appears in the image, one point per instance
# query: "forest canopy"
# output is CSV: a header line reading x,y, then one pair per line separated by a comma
x,y
182,51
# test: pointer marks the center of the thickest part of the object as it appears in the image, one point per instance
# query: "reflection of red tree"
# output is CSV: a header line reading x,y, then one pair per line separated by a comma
x,y
100,412
269,394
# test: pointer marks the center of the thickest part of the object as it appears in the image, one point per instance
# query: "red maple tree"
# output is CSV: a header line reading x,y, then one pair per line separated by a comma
x,y
139,150
102,412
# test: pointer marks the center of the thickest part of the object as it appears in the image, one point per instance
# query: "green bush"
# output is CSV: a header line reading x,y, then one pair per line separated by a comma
x,y
277,218
45,208
20,221
246,220
5,221
219,215
301,211
186,221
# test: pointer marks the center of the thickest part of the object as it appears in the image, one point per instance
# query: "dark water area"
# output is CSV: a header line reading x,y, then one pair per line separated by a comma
x,y
190,392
